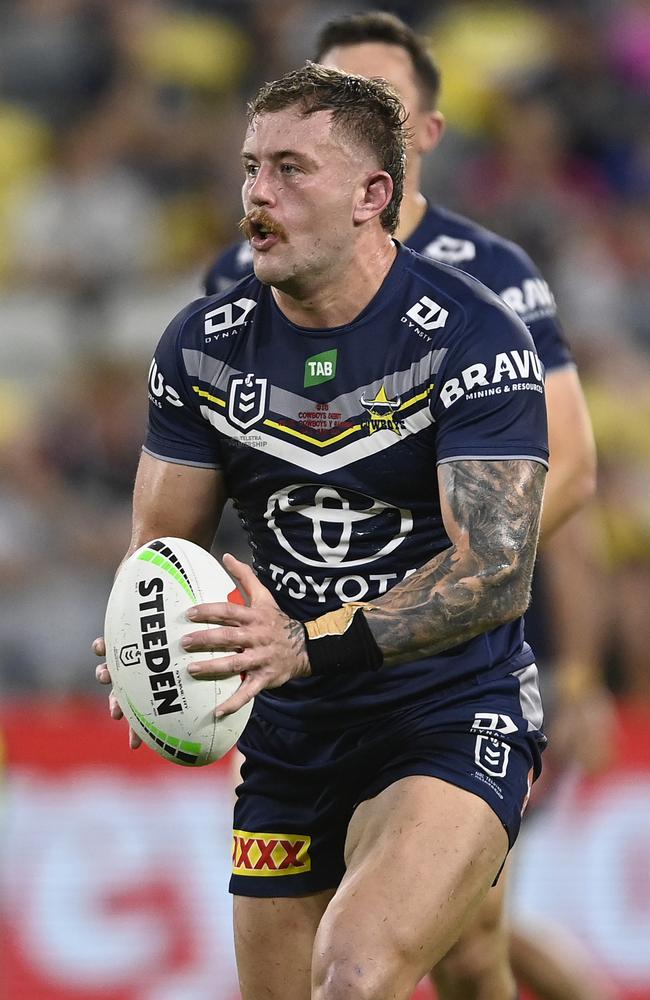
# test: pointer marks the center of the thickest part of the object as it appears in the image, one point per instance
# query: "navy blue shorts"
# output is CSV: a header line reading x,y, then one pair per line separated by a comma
x,y
300,789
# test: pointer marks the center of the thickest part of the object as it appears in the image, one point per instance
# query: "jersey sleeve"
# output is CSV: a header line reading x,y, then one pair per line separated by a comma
x,y
522,287
489,402
176,429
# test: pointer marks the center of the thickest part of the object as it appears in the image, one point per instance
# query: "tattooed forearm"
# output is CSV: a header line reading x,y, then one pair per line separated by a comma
x,y
491,512
295,634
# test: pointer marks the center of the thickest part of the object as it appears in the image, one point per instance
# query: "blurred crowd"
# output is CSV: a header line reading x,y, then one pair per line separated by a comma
x,y
120,129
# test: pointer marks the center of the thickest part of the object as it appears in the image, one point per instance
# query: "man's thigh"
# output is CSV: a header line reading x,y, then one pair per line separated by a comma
x,y
274,939
420,857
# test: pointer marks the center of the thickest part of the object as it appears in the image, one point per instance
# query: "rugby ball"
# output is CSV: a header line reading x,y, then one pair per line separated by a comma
x,y
171,711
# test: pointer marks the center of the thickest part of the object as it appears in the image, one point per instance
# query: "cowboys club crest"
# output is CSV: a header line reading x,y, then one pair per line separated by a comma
x,y
381,412
247,398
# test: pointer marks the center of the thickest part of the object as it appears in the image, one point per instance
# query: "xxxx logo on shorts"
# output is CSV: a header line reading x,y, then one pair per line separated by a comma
x,y
268,854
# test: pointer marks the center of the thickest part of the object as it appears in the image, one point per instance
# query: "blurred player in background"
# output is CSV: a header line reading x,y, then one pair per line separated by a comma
x,y
380,45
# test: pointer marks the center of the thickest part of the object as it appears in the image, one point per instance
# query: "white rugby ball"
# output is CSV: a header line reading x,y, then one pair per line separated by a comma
x,y
169,709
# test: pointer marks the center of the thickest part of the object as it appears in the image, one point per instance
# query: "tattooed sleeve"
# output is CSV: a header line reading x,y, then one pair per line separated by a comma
x,y
491,512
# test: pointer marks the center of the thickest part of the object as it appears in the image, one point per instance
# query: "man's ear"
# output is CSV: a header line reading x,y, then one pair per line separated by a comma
x,y
373,197
431,127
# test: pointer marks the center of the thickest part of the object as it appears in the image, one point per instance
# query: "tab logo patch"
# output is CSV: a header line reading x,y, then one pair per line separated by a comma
x,y
320,368
269,854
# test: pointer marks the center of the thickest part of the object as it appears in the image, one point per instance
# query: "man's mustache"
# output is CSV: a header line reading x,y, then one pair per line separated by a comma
x,y
259,219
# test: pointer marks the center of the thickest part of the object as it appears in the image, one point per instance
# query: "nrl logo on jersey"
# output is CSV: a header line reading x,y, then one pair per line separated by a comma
x,y
247,399
382,412
224,320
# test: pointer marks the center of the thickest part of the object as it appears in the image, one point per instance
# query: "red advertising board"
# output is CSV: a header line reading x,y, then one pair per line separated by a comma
x,y
114,864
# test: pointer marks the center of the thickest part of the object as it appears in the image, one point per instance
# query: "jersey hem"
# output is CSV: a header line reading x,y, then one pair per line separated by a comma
x,y
492,458
179,461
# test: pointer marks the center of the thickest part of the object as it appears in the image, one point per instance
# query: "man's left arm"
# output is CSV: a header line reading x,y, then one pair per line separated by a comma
x,y
491,511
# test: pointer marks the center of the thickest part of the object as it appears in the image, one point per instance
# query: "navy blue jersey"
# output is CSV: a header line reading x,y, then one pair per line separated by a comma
x,y
452,239
328,441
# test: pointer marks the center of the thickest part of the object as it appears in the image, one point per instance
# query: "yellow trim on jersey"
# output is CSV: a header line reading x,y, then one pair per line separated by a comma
x,y
306,437
207,395
317,442
416,399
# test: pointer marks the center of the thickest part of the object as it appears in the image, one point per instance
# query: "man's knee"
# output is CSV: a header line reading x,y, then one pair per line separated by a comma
x,y
342,978
349,967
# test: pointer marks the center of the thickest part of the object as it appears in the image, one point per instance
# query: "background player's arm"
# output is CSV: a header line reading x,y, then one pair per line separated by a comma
x,y
571,478
491,511
570,535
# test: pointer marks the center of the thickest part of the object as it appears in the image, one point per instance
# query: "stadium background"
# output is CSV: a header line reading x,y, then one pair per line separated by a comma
x,y
120,124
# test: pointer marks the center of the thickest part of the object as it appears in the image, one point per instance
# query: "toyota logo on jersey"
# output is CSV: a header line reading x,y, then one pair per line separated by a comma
x,y
328,526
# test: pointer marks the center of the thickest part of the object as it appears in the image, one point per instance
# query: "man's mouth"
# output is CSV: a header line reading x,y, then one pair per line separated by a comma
x,y
262,230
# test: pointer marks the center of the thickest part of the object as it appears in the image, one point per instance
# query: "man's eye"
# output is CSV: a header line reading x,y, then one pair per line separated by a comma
x,y
289,168
250,169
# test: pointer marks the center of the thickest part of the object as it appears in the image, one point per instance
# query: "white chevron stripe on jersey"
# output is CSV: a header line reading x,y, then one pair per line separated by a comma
x,y
371,444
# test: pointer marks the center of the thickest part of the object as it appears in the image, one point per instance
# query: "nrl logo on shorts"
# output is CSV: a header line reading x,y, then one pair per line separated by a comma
x,y
382,412
247,397
492,755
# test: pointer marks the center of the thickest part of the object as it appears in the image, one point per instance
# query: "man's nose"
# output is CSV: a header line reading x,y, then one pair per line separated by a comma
x,y
260,189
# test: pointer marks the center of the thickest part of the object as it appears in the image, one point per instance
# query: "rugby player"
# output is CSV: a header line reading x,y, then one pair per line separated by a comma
x,y
379,421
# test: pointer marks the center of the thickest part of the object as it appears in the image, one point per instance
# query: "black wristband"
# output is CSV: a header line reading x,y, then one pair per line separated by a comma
x,y
341,642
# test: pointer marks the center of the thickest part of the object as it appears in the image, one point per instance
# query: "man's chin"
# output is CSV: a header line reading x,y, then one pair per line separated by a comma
x,y
268,271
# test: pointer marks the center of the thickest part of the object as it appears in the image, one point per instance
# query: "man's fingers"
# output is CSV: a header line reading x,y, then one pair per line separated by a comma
x,y
249,687
217,640
246,580
113,707
221,614
102,674
214,670
117,713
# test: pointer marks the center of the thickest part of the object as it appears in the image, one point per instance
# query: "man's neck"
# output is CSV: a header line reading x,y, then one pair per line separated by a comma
x,y
412,211
343,295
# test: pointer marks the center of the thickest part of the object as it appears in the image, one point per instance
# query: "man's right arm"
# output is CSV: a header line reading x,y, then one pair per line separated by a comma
x,y
183,501
169,499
